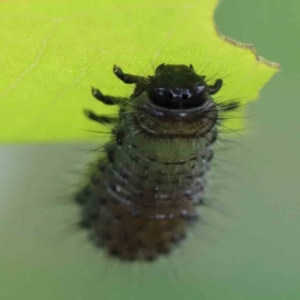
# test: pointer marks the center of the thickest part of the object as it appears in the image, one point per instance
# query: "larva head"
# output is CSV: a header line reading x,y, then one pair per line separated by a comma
x,y
177,87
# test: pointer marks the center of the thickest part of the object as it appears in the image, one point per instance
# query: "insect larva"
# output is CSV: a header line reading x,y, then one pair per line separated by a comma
x,y
144,194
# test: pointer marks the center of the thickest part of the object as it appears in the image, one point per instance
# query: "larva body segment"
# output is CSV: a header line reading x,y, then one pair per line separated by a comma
x,y
144,194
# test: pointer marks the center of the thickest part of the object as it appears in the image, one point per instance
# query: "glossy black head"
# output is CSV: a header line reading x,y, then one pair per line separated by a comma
x,y
177,87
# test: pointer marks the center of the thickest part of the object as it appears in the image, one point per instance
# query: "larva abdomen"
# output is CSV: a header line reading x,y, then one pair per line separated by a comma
x,y
144,195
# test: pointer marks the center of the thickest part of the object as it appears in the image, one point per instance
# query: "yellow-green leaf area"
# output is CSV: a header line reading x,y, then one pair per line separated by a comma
x,y
53,52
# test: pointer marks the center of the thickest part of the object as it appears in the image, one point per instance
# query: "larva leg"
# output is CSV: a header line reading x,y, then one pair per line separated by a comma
x,y
100,118
109,100
212,89
128,78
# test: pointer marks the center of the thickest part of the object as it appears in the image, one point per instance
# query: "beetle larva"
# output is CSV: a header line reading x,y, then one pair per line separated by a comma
x,y
144,194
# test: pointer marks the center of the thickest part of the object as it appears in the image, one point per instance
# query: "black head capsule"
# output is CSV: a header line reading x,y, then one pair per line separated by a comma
x,y
179,87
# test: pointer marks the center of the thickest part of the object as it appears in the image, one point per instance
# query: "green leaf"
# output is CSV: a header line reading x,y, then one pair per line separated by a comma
x,y
53,52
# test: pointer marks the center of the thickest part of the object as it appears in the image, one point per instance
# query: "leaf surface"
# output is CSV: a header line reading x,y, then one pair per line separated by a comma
x,y
53,52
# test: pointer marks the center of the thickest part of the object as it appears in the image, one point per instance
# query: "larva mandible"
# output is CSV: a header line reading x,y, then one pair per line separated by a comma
x,y
144,194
